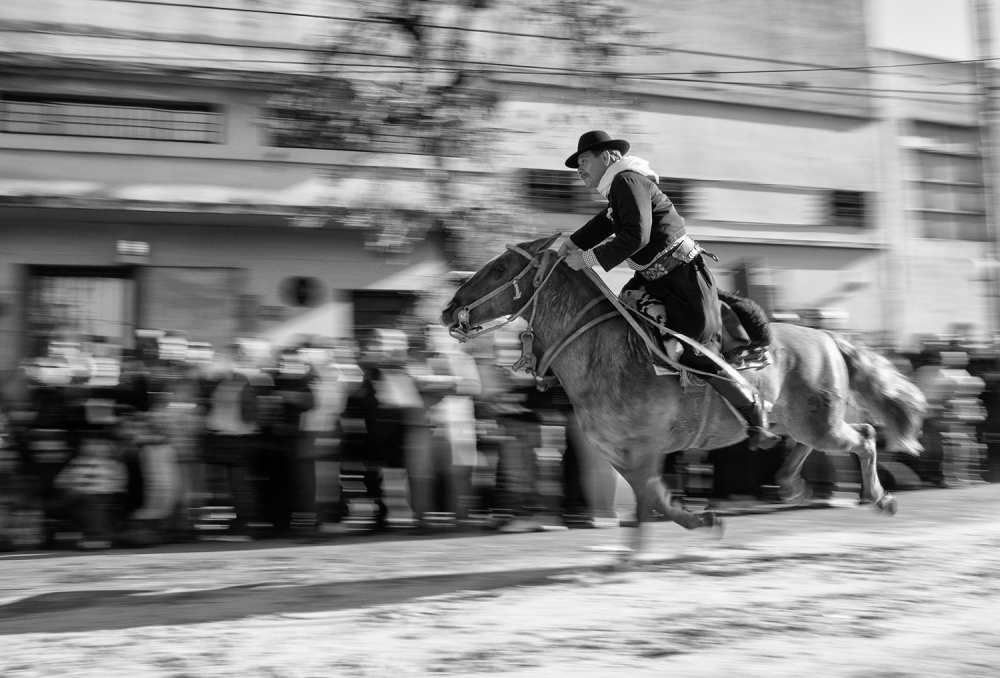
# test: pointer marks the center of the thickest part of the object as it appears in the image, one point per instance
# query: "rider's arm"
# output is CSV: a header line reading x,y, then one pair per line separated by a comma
x,y
632,211
594,232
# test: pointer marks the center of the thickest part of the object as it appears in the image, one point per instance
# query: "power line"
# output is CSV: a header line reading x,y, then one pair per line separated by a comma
x,y
458,64
807,67
350,68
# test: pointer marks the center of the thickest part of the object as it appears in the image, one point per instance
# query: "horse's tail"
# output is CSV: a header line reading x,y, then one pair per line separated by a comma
x,y
894,400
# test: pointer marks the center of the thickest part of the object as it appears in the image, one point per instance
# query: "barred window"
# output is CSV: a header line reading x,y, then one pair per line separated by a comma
x,y
558,191
948,178
847,209
110,118
678,190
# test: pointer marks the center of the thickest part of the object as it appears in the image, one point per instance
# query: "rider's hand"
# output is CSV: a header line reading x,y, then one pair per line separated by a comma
x,y
566,247
575,260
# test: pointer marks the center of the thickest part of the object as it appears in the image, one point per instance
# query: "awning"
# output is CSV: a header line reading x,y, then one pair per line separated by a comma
x,y
353,192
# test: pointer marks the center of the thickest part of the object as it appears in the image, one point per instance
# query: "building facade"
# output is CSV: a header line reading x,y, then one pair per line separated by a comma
x,y
140,187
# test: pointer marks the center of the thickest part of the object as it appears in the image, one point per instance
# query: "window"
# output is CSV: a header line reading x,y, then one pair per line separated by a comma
x,y
110,118
678,192
847,209
558,191
948,181
92,304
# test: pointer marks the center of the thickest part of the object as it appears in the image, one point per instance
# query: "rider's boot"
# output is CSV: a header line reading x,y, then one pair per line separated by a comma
x,y
760,438
752,408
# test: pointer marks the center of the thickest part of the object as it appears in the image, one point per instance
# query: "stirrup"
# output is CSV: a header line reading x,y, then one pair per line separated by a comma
x,y
755,359
673,349
761,439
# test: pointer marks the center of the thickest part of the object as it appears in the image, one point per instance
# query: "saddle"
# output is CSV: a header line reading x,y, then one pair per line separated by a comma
x,y
746,332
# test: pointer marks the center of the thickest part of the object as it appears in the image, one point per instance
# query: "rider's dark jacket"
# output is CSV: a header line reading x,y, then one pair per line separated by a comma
x,y
642,219
644,224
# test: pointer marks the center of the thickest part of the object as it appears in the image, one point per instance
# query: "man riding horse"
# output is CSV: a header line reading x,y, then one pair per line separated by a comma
x,y
650,237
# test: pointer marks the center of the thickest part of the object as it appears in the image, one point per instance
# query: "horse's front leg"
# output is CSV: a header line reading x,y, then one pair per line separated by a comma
x,y
659,496
652,494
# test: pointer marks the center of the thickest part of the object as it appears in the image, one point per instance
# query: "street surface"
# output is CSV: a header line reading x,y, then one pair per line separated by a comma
x,y
821,592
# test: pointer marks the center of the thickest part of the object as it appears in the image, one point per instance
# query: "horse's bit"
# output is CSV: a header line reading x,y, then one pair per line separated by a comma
x,y
528,360
464,331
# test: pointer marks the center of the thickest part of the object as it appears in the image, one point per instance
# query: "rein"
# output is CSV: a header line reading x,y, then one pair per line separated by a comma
x,y
464,331
528,361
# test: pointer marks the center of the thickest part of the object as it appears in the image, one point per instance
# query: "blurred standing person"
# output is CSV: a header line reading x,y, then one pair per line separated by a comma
x,y
432,462
488,409
518,471
397,405
517,466
375,424
50,426
291,475
319,426
962,412
154,520
94,481
455,414
231,442
181,418
347,434
929,378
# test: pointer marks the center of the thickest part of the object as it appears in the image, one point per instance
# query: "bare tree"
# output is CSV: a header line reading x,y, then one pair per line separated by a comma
x,y
412,76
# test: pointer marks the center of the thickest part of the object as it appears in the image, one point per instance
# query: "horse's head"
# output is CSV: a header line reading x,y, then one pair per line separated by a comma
x,y
502,287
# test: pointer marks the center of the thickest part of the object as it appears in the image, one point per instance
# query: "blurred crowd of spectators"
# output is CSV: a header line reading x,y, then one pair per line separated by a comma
x,y
403,428
961,380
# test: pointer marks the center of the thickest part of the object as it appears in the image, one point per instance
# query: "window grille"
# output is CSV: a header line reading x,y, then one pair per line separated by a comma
x,y
948,181
110,118
558,191
678,190
847,209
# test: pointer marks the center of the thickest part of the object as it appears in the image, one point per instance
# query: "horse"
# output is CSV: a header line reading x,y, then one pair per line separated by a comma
x,y
634,417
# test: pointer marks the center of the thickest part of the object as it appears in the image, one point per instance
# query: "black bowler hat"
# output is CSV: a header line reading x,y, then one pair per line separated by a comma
x,y
596,140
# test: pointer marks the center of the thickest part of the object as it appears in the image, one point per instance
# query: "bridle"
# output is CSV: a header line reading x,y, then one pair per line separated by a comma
x,y
464,331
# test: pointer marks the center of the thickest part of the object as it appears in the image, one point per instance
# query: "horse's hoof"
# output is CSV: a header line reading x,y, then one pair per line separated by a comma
x,y
887,505
717,527
714,522
794,497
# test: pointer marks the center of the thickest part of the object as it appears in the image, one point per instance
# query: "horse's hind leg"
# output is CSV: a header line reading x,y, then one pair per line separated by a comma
x,y
860,439
871,487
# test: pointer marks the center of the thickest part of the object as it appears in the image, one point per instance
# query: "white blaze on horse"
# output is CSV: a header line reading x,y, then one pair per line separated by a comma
x,y
634,417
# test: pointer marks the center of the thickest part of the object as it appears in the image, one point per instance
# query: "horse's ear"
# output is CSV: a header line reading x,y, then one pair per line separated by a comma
x,y
542,244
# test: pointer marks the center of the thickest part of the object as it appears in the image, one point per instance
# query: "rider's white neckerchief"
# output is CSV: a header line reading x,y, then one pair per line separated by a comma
x,y
628,162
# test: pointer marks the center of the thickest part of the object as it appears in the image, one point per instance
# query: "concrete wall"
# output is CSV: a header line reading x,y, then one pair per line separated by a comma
x,y
927,283
264,256
701,140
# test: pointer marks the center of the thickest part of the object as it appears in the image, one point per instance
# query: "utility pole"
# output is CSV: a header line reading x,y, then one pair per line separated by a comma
x,y
986,87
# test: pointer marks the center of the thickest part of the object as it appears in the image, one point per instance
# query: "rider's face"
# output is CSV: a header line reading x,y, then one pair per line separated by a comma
x,y
592,167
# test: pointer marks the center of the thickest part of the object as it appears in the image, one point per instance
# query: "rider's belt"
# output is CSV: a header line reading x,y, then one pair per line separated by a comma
x,y
681,252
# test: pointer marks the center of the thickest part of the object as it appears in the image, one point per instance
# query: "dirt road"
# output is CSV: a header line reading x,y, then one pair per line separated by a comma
x,y
835,592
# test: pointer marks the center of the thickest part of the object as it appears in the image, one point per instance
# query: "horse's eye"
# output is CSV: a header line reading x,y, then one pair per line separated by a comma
x,y
500,268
